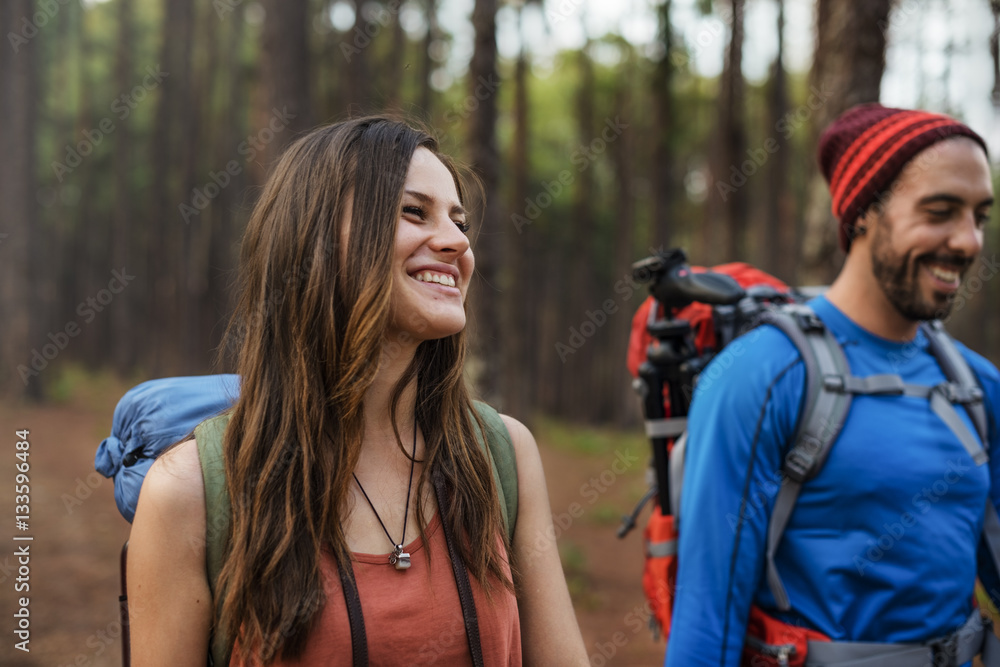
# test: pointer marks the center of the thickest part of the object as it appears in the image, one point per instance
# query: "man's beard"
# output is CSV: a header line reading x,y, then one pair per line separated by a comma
x,y
899,277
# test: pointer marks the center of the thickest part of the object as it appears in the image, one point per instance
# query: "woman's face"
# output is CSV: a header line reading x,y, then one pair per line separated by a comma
x,y
432,263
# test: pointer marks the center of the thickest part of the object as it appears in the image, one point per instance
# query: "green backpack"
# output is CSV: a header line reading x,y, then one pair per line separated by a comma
x,y
209,436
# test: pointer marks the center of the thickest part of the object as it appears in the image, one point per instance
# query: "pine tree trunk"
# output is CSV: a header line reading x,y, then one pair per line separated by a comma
x,y
285,69
485,160
127,237
519,382
847,70
732,132
427,63
663,174
780,245
18,108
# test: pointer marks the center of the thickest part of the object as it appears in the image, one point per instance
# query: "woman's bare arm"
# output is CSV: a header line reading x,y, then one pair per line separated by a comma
x,y
169,601
550,634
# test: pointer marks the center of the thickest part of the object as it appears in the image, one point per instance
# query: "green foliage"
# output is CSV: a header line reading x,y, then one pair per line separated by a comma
x,y
579,439
574,563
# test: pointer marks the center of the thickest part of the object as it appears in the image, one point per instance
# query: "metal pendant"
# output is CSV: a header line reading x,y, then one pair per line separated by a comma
x,y
399,558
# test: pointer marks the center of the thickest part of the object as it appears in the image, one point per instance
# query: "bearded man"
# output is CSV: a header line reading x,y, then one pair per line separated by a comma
x,y
881,552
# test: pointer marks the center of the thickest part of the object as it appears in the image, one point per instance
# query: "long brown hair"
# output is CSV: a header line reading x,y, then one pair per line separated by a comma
x,y
309,330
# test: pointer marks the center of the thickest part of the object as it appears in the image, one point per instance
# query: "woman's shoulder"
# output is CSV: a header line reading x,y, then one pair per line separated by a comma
x,y
174,489
520,436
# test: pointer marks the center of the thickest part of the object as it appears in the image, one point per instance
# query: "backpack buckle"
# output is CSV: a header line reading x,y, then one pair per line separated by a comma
x,y
800,461
956,393
944,651
808,321
835,383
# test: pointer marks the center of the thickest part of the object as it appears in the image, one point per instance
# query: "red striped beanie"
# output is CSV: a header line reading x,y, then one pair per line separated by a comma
x,y
864,150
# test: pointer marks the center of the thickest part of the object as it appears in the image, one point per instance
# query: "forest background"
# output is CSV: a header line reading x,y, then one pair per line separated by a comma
x,y
136,135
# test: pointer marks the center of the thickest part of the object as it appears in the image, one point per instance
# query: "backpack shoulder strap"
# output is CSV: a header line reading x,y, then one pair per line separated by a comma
x,y
957,370
969,393
209,435
500,449
823,413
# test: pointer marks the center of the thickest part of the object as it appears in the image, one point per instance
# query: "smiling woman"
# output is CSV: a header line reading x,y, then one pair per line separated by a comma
x,y
354,453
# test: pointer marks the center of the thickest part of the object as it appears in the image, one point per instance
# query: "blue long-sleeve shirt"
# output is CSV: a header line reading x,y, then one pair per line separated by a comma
x,y
882,543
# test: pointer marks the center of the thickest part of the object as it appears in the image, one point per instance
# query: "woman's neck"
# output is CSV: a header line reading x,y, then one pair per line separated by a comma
x,y
378,400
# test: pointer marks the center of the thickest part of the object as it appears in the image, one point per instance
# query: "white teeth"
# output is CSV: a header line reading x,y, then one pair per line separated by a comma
x,y
439,278
947,276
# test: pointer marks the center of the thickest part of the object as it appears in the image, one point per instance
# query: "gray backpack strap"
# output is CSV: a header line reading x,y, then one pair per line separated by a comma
x,y
956,369
965,389
823,414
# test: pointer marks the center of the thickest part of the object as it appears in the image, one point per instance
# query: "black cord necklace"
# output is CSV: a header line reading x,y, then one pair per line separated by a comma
x,y
398,557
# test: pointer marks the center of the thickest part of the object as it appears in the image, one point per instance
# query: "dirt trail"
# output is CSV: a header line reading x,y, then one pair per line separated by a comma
x,y
78,534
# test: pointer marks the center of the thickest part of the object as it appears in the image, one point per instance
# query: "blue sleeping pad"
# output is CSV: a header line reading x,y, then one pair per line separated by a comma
x,y
149,418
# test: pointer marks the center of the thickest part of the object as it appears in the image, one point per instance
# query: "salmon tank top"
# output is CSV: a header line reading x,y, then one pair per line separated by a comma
x,y
412,617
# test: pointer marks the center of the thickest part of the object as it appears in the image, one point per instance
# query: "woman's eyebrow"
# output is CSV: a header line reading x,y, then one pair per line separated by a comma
x,y
456,209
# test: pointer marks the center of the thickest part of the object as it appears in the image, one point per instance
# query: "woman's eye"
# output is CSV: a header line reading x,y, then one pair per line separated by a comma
x,y
463,226
414,210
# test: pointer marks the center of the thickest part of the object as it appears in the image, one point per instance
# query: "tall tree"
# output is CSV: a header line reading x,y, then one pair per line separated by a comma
x,y
780,232
485,160
520,269
18,108
427,62
733,138
285,66
127,238
663,170
394,66
847,70
355,51
170,150
623,156
995,51
578,401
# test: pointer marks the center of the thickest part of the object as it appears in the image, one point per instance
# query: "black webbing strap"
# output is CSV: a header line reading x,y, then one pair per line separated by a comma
x,y
359,640
461,576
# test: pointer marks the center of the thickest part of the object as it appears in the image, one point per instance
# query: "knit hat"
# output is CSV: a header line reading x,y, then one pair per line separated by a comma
x,y
864,150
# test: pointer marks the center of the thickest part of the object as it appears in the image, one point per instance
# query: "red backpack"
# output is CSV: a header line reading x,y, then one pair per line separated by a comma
x,y
693,314
659,578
